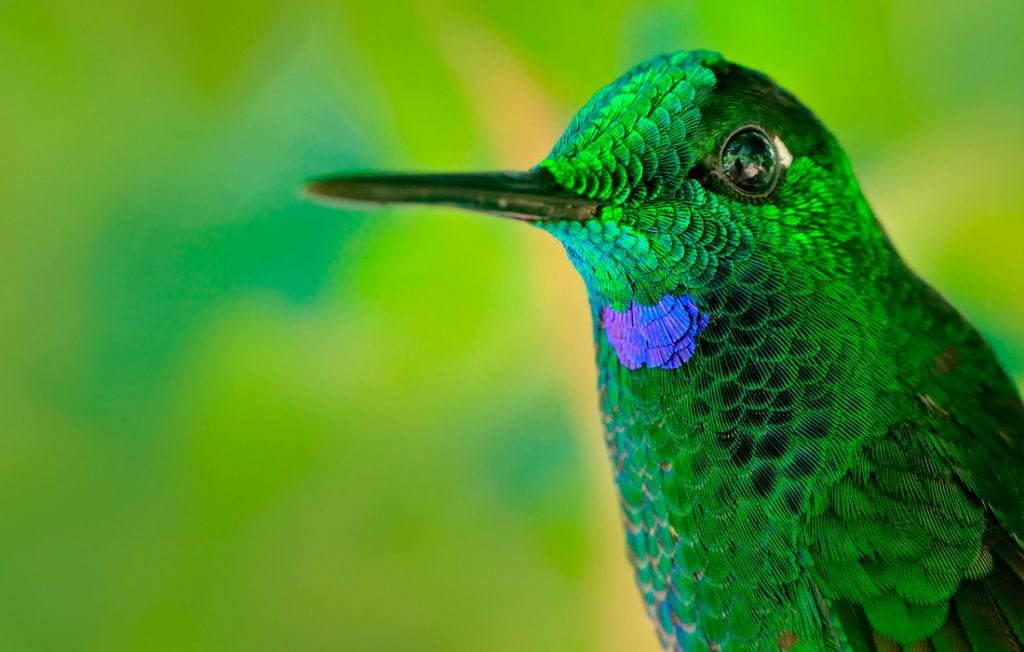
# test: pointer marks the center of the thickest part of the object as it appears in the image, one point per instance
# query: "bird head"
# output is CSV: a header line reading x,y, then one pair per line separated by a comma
x,y
671,180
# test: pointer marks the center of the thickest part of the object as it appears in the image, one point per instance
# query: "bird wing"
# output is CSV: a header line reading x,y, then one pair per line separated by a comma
x,y
920,540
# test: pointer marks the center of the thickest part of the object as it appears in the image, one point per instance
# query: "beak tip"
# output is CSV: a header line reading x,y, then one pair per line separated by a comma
x,y
322,191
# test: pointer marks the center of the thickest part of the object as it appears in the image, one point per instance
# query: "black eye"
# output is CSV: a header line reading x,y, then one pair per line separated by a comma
x,y
749,162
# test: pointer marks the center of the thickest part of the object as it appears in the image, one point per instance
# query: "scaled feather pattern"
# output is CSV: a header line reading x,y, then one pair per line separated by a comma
x,y
663,335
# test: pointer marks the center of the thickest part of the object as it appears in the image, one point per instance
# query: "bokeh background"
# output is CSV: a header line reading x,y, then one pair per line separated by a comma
x,y
234,420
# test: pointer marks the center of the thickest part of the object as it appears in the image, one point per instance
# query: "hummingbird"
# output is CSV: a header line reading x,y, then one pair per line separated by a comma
x,y
813,450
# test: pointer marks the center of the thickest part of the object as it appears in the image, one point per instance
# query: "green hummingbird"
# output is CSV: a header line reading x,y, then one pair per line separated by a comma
x,y
813,450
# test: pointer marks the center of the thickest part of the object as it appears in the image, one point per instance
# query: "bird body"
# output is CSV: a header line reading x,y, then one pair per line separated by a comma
x,y
813,450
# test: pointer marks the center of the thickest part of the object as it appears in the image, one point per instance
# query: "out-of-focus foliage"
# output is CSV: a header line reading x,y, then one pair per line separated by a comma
x,y
232,420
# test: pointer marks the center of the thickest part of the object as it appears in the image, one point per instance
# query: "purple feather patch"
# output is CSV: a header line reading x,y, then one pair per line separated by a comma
x,y
663,335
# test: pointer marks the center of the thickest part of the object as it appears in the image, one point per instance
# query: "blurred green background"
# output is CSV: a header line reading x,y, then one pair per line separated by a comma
x,y
233,420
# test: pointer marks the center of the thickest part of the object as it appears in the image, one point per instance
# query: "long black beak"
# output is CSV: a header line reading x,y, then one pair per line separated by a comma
x,y
530,196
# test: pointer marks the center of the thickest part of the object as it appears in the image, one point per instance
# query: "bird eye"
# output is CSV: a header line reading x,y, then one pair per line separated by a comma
x,y
749,162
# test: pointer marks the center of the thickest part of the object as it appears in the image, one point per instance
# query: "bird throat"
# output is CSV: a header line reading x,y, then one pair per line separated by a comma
x,y
662,336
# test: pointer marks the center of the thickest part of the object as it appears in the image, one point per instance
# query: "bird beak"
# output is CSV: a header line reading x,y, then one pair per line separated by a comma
x,y
530,196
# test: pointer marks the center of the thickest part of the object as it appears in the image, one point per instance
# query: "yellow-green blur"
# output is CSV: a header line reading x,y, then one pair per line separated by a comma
x,y
231,419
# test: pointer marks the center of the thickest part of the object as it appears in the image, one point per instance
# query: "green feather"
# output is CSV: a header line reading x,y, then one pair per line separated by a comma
x,y
832,458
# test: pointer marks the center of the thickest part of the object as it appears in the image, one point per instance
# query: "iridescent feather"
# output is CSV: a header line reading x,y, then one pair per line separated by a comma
x,y
813,449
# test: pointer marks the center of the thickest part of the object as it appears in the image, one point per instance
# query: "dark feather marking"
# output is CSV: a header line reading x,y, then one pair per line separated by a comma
x,y
826,617
946,361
